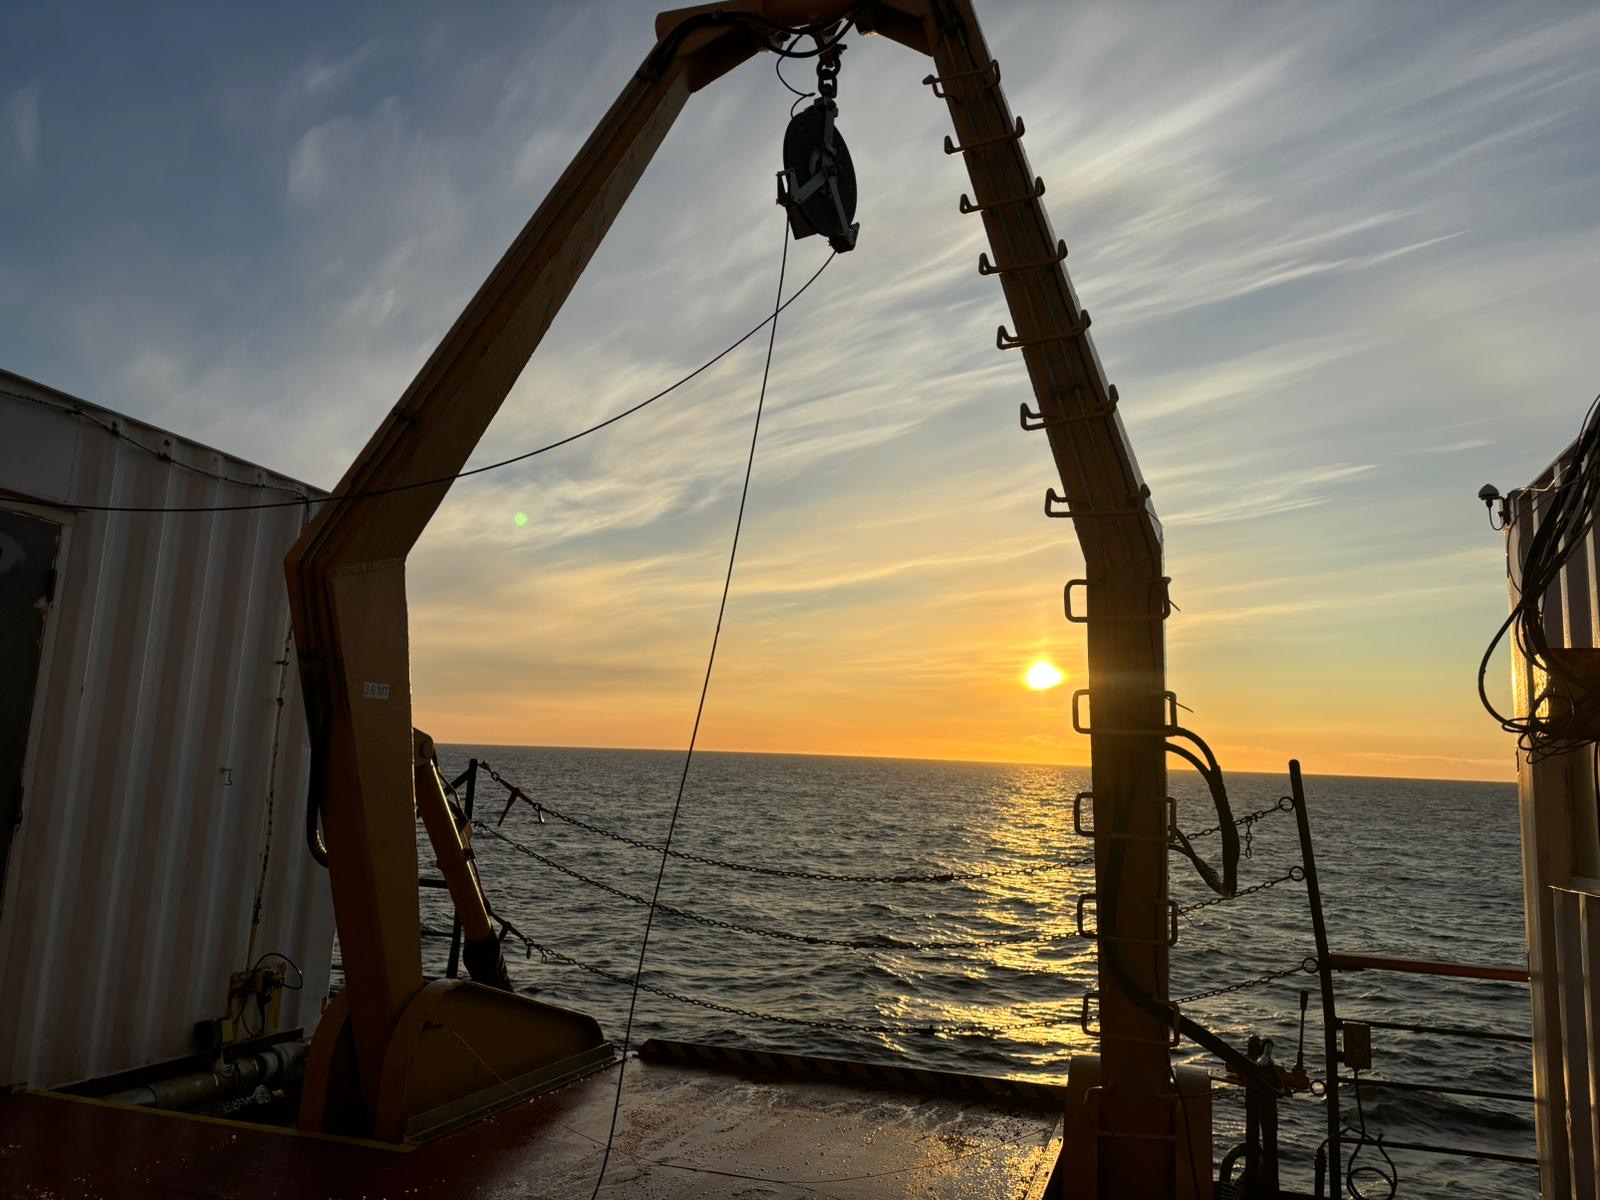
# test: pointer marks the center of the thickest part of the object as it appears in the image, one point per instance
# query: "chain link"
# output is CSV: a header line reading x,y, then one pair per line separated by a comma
x,y
550,954
545,810
1308,966
881,942
1294,875
1282,804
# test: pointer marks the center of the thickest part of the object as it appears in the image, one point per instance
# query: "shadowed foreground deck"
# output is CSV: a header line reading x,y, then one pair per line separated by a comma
x,y
696,1122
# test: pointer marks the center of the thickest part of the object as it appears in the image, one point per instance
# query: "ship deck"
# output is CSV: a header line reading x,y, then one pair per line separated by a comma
x,y
695,1122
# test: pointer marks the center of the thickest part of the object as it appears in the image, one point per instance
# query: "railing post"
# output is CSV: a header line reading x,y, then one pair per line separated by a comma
x,y
1330,1017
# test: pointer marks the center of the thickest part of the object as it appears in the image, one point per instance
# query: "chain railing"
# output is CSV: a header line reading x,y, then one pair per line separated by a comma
x,y
1295,874
880,942
887,1029
543,810
1306,966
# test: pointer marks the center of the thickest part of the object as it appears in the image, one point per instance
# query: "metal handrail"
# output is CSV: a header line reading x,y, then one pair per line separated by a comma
x,y
1459,1031
1461,1152
1418,966
1330,1017
1441,1089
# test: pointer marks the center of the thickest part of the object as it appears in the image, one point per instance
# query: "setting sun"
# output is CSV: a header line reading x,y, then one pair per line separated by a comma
x,y
1043,675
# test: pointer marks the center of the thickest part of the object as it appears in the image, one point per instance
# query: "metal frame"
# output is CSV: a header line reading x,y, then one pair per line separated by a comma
x,y
347,578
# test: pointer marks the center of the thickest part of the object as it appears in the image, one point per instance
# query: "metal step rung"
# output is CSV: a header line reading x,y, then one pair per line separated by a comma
x,y
985,267
1005,340
1034,421
1171,938
1015,135
967,206
1166,604
1059,507
991,73
1167,730
1089,1029
1168,838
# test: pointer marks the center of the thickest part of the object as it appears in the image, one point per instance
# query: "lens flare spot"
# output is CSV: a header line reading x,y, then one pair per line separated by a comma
x,y
1043,675
520,519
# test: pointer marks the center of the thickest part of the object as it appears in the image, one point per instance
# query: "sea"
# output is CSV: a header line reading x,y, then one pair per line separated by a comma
x,y
1410,868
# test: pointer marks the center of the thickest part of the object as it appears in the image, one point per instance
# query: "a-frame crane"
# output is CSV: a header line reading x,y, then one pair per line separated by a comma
x,y
381,1053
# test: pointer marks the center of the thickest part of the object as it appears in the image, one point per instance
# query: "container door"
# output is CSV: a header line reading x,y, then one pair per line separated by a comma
x,y
27,582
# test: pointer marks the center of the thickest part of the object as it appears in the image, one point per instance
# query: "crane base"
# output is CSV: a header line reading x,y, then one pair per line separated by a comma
x,y
459,1052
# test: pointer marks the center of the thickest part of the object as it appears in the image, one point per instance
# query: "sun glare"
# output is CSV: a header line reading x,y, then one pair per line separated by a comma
x,y
1043,675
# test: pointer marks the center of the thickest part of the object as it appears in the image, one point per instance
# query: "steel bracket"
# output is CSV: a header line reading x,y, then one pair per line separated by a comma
x,y
1084,619
1171,727
1094,935
985,267
967,206
1168,838
989,74
1088,1026
1014,136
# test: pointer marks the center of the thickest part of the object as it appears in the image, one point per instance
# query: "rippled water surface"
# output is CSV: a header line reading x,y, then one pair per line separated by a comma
x,y
1420,869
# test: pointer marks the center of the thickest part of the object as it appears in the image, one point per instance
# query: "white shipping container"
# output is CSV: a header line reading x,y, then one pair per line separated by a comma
x,y
153,756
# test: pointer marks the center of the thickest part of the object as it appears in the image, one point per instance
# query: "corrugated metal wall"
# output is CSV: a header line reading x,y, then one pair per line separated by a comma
x,y
1560,848
161,769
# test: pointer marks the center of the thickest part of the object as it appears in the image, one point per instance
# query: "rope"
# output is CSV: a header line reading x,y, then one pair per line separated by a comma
x,y
544,810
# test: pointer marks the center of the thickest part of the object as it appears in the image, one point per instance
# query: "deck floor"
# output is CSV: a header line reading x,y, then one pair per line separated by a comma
x,y
686,1130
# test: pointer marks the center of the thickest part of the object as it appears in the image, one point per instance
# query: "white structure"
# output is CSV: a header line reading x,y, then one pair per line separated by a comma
x,y
153,750
1561,884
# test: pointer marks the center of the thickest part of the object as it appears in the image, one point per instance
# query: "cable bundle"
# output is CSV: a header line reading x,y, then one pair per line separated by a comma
x,y
1563,715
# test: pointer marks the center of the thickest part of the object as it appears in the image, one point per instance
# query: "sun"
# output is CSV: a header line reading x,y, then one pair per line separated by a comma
x,y
1043,675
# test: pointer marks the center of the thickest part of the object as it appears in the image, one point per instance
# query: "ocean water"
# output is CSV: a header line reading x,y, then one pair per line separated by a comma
x,y
1409,868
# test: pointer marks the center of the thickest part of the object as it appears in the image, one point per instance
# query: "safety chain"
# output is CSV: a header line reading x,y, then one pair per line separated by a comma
x,y
549,954
881,942
828,72
1283,804
1294,875
1308,966
544,810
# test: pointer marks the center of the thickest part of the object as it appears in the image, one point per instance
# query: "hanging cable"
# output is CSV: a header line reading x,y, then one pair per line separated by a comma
x,y
699,712
466,474
1211,771
1563,715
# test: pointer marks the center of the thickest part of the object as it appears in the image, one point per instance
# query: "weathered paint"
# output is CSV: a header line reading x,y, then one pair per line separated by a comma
x,y
151,791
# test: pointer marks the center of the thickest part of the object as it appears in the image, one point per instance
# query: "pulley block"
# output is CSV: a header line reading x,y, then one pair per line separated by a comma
x,y
818,182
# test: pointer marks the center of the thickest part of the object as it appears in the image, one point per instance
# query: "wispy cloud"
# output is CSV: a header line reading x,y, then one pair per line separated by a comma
x,y
1328,250
21,121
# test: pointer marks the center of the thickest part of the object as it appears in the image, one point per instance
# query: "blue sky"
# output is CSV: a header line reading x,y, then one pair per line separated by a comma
x,y
1339,257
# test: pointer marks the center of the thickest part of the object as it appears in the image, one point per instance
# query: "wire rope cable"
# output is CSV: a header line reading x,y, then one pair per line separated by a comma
x,y
336,498
1564,710
699,712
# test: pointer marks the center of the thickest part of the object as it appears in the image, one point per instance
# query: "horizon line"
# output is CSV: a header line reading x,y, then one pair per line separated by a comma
x,y
986,762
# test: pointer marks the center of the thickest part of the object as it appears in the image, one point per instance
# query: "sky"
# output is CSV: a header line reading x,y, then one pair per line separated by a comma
x,y
1340,261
